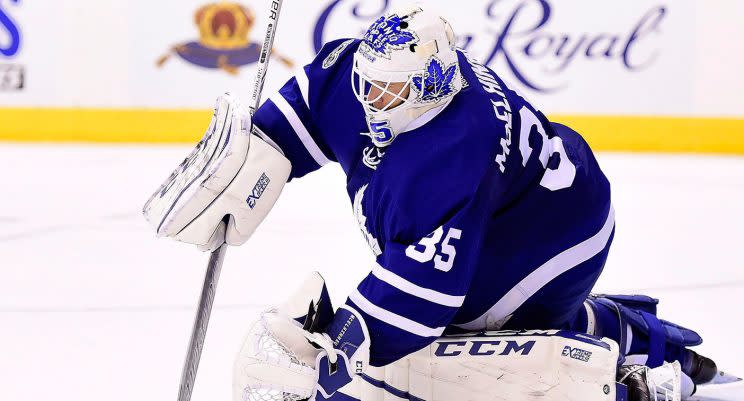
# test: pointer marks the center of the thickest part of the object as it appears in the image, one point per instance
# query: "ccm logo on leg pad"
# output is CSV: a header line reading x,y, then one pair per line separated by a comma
x,y
483,348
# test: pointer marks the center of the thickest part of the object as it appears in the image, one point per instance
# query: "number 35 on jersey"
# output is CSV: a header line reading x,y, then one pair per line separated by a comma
x,y
434,247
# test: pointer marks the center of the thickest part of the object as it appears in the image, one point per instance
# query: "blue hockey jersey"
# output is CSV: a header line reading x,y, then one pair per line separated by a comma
x,y
481,215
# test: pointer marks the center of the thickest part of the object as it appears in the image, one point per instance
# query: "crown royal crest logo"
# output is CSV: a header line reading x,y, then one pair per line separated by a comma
x,y
224,31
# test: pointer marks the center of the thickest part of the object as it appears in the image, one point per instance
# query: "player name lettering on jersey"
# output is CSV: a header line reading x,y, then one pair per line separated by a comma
x,y
501,108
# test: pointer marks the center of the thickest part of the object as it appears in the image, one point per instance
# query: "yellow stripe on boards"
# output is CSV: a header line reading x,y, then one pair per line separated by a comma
x,y
103,125
604,133
659,134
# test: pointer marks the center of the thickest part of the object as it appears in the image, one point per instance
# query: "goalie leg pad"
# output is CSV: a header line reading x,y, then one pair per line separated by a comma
x,y
282,361
537,365
310,305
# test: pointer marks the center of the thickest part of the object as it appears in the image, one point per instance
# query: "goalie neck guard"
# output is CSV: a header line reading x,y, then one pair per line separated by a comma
x,y
406,66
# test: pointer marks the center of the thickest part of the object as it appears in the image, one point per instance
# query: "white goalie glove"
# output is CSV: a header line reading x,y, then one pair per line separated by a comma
x,y
302,349
225,188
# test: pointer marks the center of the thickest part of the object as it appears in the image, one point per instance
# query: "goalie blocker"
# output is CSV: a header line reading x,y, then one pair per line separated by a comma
x,y
282,360
231,172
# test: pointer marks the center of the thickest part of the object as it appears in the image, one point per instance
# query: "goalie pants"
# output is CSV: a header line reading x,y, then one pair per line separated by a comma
x,y
550,249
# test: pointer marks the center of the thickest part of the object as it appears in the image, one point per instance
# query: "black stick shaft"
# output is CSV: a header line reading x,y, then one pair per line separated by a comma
x,y
199,331
275,8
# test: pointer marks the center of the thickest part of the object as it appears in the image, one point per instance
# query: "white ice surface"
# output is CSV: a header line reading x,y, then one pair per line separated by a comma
x,y
93,307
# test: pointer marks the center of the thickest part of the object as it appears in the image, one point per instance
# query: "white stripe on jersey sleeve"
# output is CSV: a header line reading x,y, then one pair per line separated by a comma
x,y
304,85
415,290
299,128
393,319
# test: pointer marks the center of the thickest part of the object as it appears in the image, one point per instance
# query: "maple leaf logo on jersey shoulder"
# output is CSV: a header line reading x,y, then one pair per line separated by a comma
x,y
436,83
389,33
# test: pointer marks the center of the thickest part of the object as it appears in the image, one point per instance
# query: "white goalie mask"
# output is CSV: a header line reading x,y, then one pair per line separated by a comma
x,y
405,67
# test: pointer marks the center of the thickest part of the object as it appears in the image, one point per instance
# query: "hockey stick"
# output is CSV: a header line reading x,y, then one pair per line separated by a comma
x,y
206,300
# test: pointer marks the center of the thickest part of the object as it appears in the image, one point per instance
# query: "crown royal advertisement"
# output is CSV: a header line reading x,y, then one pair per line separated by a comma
x,y
224,29
572,56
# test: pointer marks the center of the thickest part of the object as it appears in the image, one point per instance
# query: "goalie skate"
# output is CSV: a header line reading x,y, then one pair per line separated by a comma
x,y
724,387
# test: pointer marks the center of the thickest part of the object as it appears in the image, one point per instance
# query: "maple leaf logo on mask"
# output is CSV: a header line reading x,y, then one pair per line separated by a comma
x,y
436,83
389,33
